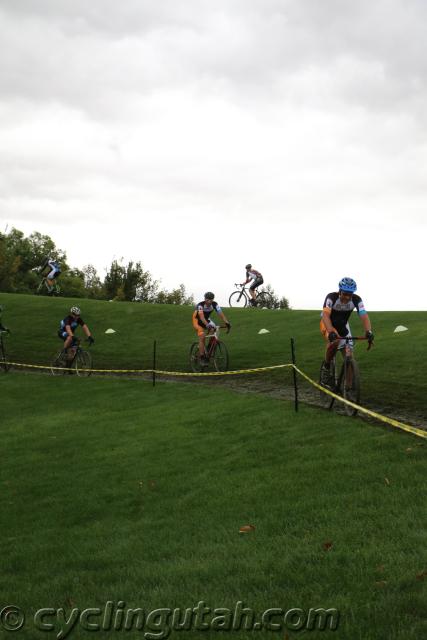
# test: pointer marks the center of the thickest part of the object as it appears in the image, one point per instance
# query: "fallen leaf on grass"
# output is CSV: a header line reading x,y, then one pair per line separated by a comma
x,y
387,481
409,449
381,583
247,528
421,576
327,545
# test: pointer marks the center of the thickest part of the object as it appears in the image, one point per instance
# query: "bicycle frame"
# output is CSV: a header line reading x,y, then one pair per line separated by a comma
x,y
213,340
215,351
344,381
73,359
55,288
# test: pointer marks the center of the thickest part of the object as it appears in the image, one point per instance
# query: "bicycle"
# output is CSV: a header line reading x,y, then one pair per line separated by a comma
x,y
79,362
215,352
241,298
4,364
347,383
53,290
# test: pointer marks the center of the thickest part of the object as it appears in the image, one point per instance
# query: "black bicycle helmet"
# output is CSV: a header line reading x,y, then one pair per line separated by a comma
x,y
248,266
209,295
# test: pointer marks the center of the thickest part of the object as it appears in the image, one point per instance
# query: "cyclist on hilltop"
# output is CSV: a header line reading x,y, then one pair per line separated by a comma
x,y
252,274
52,274
201,321
68,326
337,309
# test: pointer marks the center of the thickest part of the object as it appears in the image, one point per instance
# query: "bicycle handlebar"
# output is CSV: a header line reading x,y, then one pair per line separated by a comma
x,y
351,338
214,334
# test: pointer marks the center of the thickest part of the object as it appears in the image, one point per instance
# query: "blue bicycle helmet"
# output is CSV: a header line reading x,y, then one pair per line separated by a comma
x,y
347,284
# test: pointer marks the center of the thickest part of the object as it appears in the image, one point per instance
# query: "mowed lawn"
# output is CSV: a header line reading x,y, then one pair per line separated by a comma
x,y
112,490
394,372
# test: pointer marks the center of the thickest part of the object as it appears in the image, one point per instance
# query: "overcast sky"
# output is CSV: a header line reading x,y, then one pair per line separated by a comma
x,y
198,136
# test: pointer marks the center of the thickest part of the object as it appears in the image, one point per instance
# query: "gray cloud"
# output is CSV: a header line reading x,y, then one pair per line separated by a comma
x,y
95,55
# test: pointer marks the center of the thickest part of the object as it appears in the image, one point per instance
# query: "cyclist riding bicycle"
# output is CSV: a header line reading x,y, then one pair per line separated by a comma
x,y
202,322
68,326
52,274
337,309
2,327
252,274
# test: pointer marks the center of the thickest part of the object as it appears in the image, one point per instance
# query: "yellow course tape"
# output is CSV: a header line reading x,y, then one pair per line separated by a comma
x,y
378,416
391,421
159,371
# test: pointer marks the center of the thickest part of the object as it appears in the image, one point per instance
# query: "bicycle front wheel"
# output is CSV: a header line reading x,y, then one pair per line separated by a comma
x,y
195,364
350,386
264,299
59,364
220,357
4,365
238,299
327,380
83,363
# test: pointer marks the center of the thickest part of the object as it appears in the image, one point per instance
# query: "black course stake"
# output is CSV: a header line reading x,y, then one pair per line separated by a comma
x,y
295,373
154,363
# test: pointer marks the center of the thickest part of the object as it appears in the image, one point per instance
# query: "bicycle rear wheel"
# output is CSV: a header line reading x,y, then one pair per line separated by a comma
x,y
220,357
264,299
238,299
83,363
59,364
195,364
327,380
351,391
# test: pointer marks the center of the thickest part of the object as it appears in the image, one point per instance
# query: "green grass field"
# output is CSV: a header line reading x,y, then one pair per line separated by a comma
x,y
115,491
394,373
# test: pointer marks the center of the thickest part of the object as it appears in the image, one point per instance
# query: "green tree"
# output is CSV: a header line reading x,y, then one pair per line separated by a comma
x,y
73,284
275,303
176,296
113,282
20,256
130,282
93,285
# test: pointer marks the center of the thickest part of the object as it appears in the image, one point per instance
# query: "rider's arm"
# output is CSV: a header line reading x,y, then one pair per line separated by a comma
x,y
366,322
69,330
363,314
86,330
201,316
326,317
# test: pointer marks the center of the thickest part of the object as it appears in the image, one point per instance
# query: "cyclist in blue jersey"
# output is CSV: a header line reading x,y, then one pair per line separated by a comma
x,y
54,271
68,326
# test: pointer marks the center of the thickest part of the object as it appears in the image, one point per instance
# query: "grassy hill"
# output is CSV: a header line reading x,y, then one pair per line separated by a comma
x,y
394,373
114,491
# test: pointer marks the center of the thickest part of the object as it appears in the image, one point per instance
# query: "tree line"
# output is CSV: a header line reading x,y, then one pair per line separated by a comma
x,y
21,257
